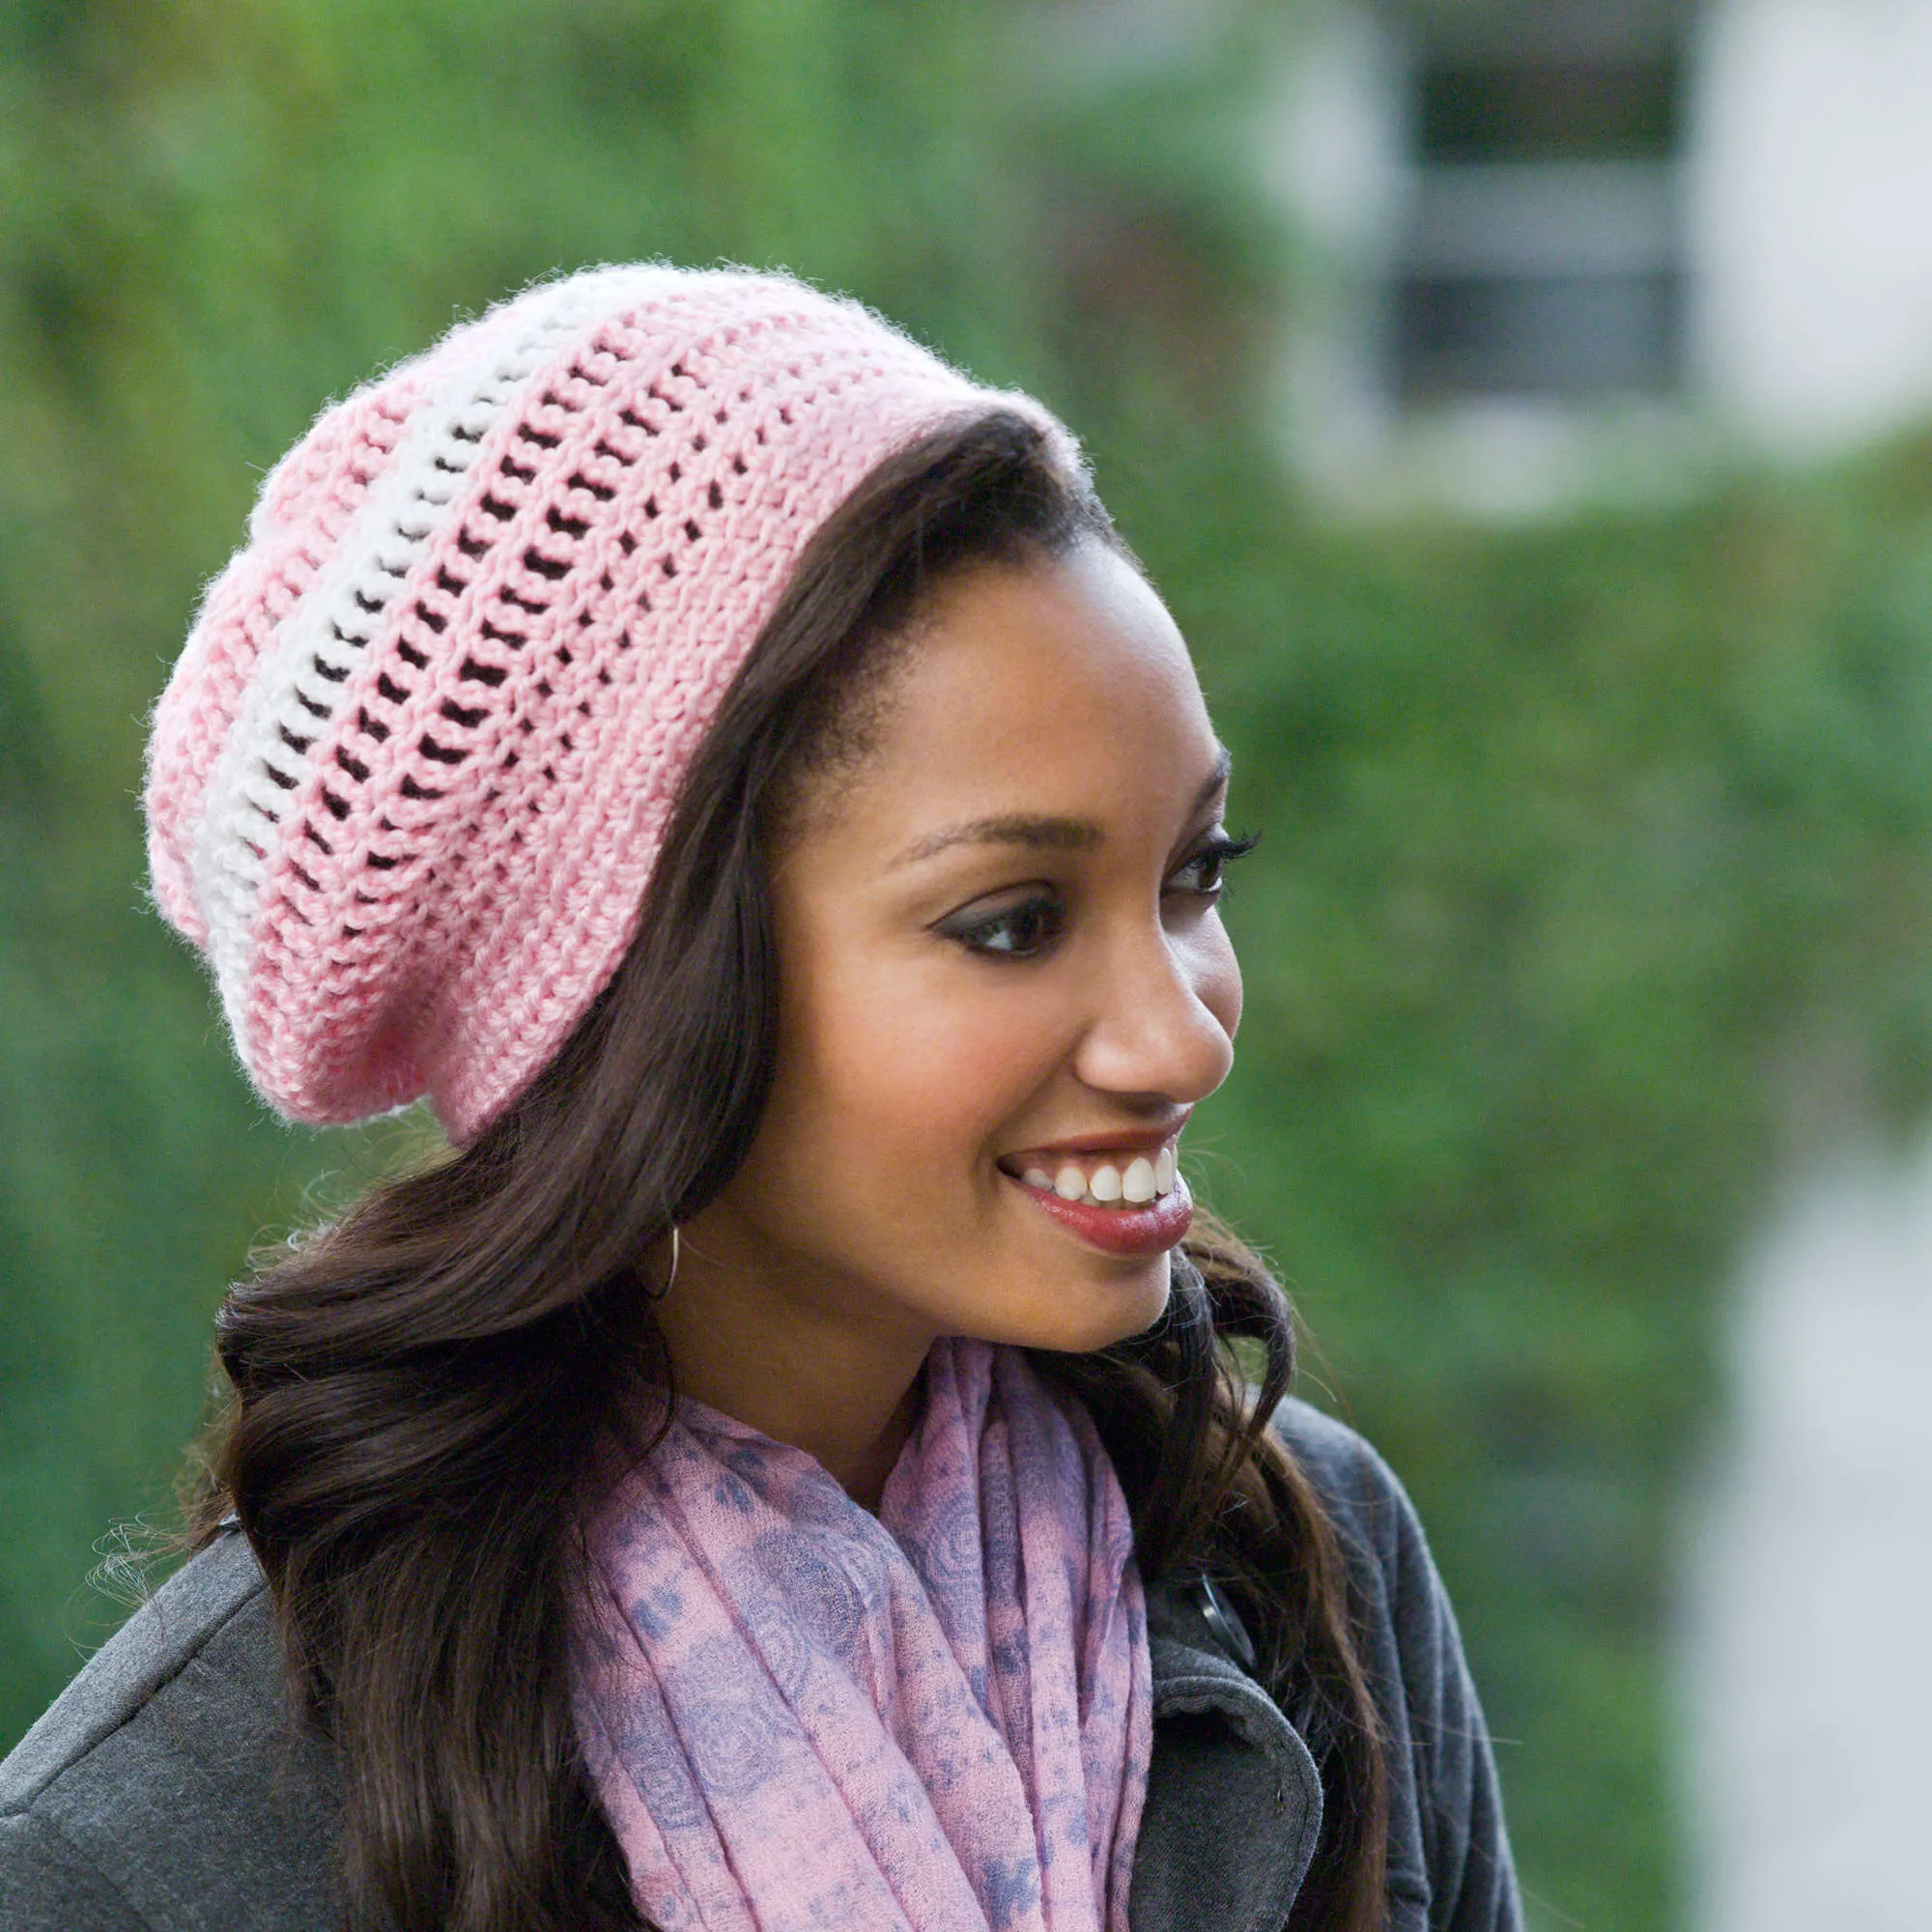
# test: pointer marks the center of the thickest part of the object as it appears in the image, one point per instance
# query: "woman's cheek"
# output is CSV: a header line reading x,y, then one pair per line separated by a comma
x,y
945,1070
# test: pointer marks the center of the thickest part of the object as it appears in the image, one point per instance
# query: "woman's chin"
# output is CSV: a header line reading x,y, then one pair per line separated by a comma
x,y
1076,1316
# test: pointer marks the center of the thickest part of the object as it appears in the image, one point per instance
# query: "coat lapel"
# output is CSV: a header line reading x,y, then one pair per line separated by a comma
x,y
1233,1804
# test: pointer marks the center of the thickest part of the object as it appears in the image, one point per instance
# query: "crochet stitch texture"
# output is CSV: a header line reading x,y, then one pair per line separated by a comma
x,y
413,767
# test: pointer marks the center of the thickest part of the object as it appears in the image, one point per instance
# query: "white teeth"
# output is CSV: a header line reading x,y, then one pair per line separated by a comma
x,y
1141,1181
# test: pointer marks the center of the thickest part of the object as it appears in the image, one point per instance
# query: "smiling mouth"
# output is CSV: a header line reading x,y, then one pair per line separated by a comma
x,y
1126,1184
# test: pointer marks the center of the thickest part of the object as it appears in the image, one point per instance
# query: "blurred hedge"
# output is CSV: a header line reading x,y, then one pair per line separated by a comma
x,y
1594,863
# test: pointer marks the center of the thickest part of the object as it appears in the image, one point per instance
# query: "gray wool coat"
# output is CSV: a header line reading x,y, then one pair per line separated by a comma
x,y
167,1789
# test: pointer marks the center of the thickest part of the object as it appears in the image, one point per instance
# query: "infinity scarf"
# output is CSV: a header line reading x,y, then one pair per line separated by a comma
x,y
797,1714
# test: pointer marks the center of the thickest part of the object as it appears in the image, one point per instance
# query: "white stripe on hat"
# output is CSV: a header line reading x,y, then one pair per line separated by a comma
x,y
307,669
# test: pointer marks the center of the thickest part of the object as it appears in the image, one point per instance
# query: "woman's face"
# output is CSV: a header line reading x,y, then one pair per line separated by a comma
x,y
1005,979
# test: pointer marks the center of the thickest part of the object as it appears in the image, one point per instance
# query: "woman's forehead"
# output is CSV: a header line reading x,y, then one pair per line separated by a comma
x,y
1038,704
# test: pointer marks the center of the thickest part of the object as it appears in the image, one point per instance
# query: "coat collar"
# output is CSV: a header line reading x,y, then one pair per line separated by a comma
x,y
1233,1804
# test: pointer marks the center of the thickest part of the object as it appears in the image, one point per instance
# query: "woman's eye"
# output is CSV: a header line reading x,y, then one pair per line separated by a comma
x,y
1019,931
1206,871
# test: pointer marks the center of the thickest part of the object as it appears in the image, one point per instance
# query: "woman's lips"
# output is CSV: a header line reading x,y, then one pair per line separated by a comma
x,y
1149,1230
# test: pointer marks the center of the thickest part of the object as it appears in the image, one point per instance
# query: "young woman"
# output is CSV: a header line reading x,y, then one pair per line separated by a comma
x,y
791,1464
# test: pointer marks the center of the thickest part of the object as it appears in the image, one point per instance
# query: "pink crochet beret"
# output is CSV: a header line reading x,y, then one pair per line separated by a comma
x,y
411,772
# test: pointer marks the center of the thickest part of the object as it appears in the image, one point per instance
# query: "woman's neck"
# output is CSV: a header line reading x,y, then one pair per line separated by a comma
x,y
796,1369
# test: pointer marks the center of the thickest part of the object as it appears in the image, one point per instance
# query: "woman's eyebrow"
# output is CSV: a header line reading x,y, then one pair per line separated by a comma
x,y
1039,835
1042,834
1217,779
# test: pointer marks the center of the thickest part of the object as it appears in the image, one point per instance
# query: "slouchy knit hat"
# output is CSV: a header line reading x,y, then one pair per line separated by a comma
x,y
412,770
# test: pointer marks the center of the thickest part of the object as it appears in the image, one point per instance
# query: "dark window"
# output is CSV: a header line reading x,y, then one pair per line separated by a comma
x,y
1543,257
1548,111
1574,335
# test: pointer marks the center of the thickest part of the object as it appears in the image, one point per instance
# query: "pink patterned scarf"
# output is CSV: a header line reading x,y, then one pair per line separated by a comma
x,y
799,1716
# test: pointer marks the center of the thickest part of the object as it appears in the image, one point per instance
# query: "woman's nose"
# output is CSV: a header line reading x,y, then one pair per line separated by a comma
x,y
1163,1019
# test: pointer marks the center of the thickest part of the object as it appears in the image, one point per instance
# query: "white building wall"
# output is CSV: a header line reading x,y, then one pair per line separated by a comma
x,y
1808,1671
1810,218
1332,143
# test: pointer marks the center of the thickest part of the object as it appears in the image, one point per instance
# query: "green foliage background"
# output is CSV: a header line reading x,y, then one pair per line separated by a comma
x,y
1595,853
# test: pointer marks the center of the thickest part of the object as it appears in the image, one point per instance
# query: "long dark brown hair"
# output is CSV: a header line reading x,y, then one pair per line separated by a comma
x,y
423,1389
